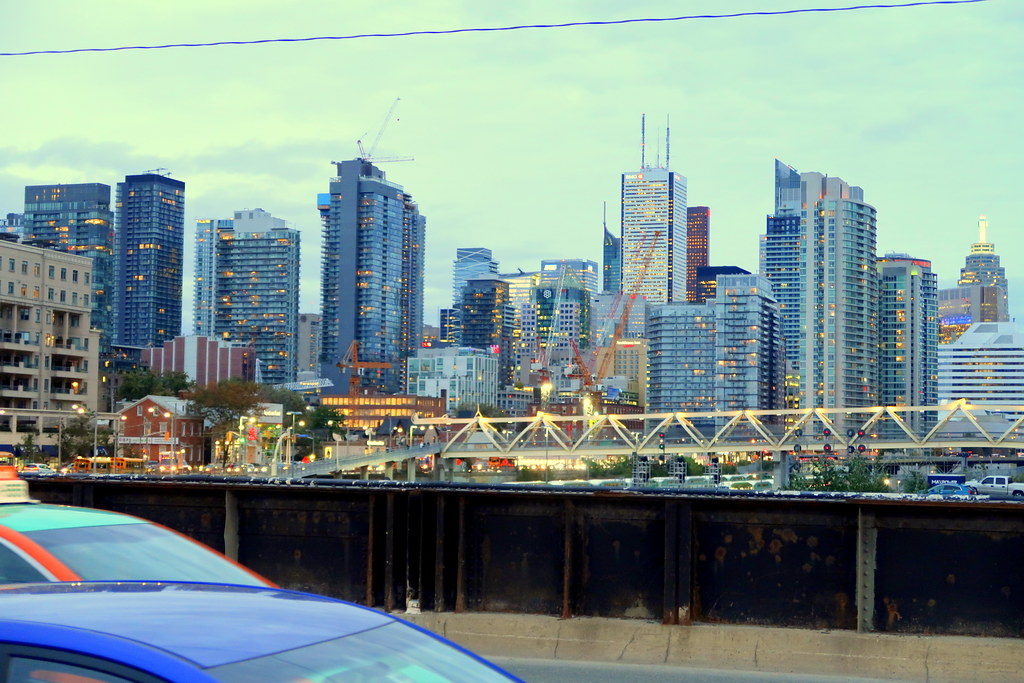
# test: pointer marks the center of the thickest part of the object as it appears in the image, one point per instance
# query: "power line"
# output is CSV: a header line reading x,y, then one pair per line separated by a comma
x,y
494,28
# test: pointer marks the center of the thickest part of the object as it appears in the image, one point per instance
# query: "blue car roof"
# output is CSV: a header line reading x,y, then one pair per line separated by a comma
x,y
207,624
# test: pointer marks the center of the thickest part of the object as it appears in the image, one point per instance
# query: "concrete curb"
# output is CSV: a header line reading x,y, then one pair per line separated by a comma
x,y
929,659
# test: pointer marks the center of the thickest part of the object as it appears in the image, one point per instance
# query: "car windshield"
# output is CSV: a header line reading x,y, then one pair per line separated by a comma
x,y
394,652
137,552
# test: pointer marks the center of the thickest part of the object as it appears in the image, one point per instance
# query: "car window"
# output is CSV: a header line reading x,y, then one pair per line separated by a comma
x,y
15,569
135,552
28,670
394,652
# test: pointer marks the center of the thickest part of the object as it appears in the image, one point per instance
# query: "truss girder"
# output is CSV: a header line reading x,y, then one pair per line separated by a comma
x,y
952,425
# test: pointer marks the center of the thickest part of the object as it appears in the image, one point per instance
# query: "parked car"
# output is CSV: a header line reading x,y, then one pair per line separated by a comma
x,y
40,542
197,633
998,484
952,490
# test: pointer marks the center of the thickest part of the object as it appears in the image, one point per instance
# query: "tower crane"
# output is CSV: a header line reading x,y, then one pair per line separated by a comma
x,y
367,155
350,361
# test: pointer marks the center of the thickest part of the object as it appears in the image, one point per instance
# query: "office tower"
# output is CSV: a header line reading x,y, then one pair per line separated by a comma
x,y
150,240
698,224
983,366
470,263
463,376
749,351
307,357
77,219
612,254
819,255
205,269
980,294
371,274
654,235
707,281
256,291
573,271
908,333
50,350
681,357
489,322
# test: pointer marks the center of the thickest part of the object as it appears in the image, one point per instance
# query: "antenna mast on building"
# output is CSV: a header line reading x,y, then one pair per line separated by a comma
x,y
643,140
668,132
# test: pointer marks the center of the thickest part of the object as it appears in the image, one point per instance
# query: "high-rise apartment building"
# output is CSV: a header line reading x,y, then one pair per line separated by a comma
x,y
908,337
470,263
77,219
307,357
489,322
463,376
256,291
984,366
150,240
654,237
698,225
371,273
707,281
981,294
205,270
819,255
681,357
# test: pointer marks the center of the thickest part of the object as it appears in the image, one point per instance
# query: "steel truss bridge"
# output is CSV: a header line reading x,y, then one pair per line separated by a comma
x,y
838,431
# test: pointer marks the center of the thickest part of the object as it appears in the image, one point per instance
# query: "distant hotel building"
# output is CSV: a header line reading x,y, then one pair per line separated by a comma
x,y
150,237
372,273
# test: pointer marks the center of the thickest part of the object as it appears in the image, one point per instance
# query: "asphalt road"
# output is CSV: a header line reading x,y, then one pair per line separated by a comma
x,y
560,671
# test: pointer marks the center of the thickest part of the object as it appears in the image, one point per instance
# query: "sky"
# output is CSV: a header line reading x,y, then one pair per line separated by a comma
x,y
518,138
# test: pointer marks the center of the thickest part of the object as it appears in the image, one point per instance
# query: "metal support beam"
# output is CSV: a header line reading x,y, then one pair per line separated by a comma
x,y
867,535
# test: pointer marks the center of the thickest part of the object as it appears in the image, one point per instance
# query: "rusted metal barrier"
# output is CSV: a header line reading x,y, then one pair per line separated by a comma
x,y
828,562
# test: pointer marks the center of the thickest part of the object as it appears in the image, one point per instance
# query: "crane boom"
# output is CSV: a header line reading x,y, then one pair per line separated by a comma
x,y
350,361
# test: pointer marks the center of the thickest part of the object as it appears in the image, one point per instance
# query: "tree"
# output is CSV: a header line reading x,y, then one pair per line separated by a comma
x,y
320,416
292,401
136,384
827,474
221,405
915,482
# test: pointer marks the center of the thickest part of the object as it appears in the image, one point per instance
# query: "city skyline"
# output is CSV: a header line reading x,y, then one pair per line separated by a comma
x,y
929,106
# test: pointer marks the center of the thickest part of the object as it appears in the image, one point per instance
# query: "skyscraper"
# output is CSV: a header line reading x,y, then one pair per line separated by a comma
x,y
681,357
256,291
819,255
612,255
77,219
489,322
654,234
576,271
205,269
470,263
698,224
983,366
980,294
908,333
372,273
150,240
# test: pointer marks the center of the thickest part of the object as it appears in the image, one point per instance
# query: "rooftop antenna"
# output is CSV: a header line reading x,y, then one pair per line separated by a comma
x,y
657,153
982,228
643,140
604,219
668,132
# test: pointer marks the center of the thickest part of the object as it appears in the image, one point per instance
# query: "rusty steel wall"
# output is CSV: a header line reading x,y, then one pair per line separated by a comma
x,y
797,561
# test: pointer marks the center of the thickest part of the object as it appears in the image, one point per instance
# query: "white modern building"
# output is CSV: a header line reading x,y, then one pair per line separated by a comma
x,y
463,376
654,224
985,366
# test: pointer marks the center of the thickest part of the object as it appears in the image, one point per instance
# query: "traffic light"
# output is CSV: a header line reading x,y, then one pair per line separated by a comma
x,y
860,433
827,448
827,432
862,448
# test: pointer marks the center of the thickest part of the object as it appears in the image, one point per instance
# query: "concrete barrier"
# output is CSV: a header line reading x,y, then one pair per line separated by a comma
x,y
929,659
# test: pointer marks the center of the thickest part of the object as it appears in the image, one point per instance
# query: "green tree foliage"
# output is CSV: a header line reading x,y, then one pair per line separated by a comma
x,y
915,482
320,416
853,474
223,403
136,384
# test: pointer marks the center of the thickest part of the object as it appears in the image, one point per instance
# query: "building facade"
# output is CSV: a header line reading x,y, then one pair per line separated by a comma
x,y
818,252
908,340
77,219
371,273
462,376
150,240
307,356
985,366
707,281
256,291
654,240
205,272
574,272
489,322
698,228
611,253
981,294
681,357
204,360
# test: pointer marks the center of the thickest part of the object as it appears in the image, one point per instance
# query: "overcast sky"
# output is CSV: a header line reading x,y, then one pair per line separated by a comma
x,y
519,137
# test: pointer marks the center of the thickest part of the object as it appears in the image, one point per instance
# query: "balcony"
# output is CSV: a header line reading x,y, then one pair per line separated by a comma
x,y
18,339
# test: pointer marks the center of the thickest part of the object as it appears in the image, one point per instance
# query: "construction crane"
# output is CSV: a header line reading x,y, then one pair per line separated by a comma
x,y
607,353
350,361
367,155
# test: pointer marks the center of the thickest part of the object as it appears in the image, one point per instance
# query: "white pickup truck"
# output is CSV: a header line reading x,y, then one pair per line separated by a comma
x,y
997,483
